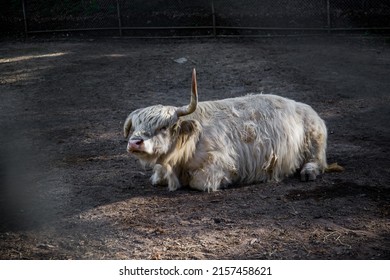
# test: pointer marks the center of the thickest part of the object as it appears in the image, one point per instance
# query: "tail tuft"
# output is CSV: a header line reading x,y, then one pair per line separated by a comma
x,y
334,167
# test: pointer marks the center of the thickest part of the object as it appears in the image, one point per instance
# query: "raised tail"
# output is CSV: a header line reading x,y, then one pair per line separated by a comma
x,y
334,167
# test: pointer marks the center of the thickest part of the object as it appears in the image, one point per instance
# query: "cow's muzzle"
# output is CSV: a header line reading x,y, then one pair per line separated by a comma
x,y
135,145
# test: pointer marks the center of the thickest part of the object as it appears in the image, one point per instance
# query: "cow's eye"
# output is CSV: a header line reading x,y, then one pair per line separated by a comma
x,y
164,128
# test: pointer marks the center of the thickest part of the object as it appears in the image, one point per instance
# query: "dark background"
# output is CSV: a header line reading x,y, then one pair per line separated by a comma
x,y
193,18
69,190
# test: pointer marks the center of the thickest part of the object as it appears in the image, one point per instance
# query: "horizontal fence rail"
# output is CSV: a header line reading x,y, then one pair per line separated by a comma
x,y
208,18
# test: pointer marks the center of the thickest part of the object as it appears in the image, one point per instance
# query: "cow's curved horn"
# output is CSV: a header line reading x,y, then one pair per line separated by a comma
x,y
186,110
127,126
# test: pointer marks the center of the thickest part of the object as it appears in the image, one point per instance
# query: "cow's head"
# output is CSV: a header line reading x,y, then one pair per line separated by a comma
x,y
155,130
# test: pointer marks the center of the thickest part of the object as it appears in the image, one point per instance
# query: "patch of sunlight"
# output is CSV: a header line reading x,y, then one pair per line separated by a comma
x,y
22,75
115,55
28,57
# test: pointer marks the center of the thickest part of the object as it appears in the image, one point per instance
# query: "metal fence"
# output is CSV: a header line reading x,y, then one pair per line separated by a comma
x,y
193,18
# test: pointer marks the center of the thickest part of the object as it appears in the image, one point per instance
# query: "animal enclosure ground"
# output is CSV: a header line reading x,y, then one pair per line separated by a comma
x,y
70,191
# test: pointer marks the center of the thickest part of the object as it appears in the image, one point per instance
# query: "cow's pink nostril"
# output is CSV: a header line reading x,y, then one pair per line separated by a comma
x,y
137,141
135,144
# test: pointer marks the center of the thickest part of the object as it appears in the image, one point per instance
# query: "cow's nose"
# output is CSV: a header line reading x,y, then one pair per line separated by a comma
x,y
135,145
136,142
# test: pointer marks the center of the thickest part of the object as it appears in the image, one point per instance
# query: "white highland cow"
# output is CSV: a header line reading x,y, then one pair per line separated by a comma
x,y
209,145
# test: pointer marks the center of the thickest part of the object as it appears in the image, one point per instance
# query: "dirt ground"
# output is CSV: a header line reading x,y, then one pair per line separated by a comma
x,y
69,190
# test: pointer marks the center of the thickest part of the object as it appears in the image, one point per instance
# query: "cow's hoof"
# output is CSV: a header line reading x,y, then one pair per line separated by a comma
x,y
308,175
309,172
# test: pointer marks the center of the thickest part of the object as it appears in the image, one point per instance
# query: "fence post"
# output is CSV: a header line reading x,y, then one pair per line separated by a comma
x,y
24,18
328,15
119,17
214,21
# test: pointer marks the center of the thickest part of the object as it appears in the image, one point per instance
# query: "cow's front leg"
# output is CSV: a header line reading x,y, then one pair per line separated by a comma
x,y
209,178
158,177
170,176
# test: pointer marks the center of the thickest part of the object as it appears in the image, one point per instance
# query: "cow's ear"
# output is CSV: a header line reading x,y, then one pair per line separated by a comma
x,y
186,127
185,131
128,123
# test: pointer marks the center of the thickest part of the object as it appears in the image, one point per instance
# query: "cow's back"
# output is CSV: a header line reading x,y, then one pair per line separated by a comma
x,y
255,137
